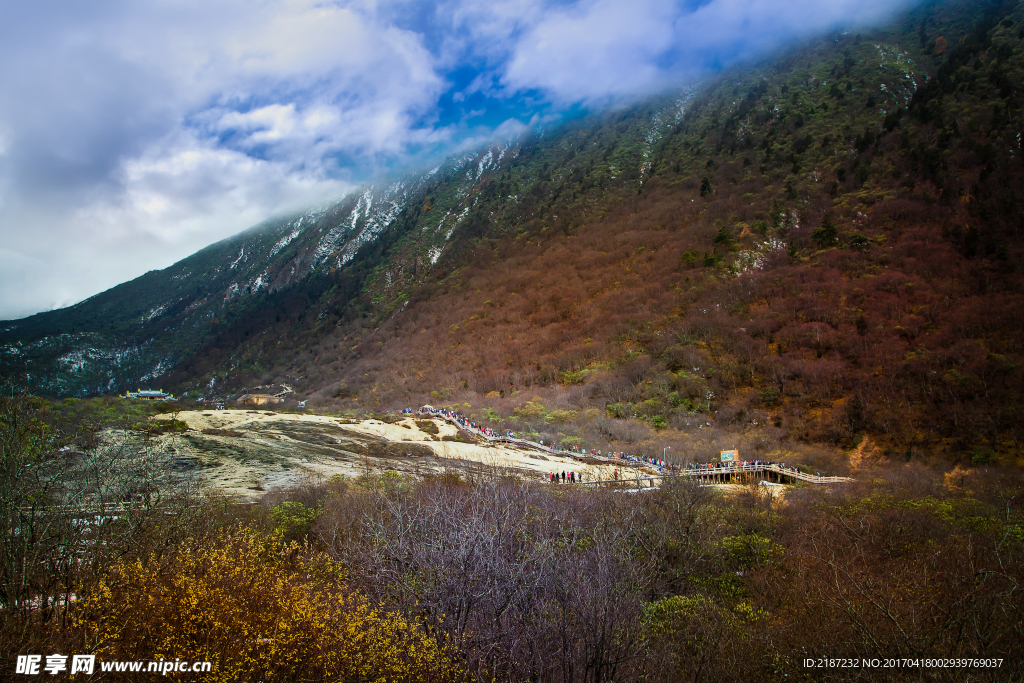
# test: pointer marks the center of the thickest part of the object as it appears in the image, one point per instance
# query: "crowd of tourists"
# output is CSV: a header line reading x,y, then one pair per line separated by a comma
x,y
658,463
464,422
564,477
729,465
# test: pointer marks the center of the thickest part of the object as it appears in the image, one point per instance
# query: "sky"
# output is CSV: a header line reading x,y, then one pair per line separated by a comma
x,y
135,132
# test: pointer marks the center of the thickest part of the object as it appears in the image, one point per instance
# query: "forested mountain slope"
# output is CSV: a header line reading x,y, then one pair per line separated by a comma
x,y
824,245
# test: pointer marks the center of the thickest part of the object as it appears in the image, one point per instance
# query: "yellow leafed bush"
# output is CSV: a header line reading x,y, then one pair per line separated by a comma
x,y
259,609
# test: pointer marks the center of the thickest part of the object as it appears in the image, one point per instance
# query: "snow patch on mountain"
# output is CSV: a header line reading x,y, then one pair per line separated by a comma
x,y
440,223
161,368
455,224
379,213
484,163
153,312
284,241
261,281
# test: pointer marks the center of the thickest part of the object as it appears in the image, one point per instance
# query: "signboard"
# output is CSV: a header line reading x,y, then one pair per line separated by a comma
x,y
730,456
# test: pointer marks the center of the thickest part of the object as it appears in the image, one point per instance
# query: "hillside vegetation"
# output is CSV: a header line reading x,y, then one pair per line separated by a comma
x,y
818,248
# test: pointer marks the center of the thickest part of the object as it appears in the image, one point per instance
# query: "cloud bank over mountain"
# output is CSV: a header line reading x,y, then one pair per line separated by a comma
x,y
134,133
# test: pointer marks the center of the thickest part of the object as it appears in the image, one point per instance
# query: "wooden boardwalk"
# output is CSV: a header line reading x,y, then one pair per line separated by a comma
x,y
727,474
722,474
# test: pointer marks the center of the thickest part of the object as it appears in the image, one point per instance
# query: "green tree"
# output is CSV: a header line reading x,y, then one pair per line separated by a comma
x,y
827,234
705,187
724,237
293,518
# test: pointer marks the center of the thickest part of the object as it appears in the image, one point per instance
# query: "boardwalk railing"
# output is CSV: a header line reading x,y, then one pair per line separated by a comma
x,y
721,472
726,473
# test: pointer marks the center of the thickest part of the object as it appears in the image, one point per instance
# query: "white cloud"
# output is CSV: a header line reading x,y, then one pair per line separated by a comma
x,y
134,140
19,279
602,50
187,189
173,199
605,49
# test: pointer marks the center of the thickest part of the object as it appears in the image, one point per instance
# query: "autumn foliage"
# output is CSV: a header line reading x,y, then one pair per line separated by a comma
x,y
259,609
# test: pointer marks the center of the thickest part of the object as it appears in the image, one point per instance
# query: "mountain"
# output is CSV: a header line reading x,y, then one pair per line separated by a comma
x,y
820,247
140,330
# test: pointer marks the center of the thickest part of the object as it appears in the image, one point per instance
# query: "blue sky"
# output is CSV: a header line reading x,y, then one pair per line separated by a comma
x,y
135,132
